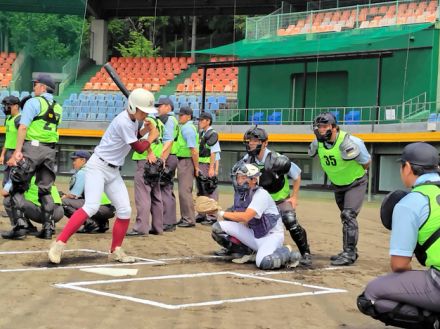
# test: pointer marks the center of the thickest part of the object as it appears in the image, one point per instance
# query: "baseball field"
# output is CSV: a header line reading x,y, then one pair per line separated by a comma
x,y
180,284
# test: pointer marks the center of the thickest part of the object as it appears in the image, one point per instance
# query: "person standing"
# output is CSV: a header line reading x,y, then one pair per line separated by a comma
x,y
74,199
345,160
35,150
165,108
187,166
11,108
276,169
209,157
408,298
147,194
103,174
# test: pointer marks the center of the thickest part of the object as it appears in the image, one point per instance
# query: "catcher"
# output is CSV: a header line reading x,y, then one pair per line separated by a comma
x,y
263,231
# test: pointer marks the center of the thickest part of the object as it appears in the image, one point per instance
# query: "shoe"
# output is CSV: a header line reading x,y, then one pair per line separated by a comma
x,y
32,230
345,259
245,259
208,222
154,232
103,227
134,233
119,255
15,234
89,226
4,214
169,228
200,218
222,252
334,257
294,258
306,260
56,251
185,223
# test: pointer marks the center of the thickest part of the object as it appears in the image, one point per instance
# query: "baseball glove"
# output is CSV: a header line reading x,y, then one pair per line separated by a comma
x,y
205,205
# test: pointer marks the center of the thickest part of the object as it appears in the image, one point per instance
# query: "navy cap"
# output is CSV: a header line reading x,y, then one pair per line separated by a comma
x,y
205,115
186,110
10,100
46,80
420,154
165,101
81,154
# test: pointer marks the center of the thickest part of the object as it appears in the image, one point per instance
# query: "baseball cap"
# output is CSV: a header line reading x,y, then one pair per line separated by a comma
x,y
10,100
421,154
186,110
81,154
205,115
165,101
45,79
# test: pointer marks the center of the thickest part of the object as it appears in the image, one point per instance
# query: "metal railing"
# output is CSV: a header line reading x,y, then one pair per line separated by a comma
x,y
339,19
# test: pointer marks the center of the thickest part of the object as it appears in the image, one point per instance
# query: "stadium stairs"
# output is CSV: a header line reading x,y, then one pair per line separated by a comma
x,y
171,87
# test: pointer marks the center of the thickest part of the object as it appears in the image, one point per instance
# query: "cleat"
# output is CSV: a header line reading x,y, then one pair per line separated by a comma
x,y
306,259
245,259
56,251
119,255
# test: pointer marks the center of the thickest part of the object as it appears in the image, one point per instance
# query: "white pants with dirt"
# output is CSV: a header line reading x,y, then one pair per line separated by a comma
x,y
264,246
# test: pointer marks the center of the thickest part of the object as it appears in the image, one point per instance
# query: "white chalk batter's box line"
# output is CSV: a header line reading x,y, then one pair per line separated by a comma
x,y
140,261
82,286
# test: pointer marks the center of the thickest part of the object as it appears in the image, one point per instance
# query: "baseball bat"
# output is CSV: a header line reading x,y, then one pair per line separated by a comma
x,y
116,79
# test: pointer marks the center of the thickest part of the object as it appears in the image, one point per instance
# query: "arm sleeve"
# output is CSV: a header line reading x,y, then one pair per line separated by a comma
x,y
294,171
363,157
215,148
140,146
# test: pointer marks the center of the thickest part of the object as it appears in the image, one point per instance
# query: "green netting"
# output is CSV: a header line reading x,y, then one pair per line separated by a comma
x,y
313,43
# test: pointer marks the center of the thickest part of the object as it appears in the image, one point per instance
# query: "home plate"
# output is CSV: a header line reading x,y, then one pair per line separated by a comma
x,y
111,271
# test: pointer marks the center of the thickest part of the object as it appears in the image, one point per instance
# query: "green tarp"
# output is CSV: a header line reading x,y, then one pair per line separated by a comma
x,y
315,43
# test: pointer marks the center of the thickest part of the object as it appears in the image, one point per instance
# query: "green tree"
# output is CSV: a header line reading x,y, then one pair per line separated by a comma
x,y
137,46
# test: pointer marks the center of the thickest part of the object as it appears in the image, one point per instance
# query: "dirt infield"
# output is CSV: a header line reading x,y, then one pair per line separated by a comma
x,y
179,284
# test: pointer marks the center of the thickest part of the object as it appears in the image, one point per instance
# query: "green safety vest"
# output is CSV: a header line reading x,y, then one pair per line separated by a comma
x,y
339,171
31,194
430,226
44,127
105,200
183,150
157,145
175,147
11,132
282,194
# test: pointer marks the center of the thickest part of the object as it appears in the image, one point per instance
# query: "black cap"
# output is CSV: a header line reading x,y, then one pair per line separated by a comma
x,y
327,118
256,132
10,100
81,154
205,115
165,101
421,154
46,80
186,110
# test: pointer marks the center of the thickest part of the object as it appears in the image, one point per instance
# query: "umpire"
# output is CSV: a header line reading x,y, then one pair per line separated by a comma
x,y
188,165
36,140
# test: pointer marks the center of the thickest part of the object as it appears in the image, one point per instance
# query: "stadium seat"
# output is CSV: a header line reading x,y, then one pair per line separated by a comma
x,y
256,118
352,117
274,118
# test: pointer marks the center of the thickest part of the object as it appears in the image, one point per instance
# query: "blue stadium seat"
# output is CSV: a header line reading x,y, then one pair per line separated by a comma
x,y
84,109
92,116
101,117
173,98
111,109
181,99
214,106
194,106
110,116
192,99
15,93
109,98
100,97
24,94
93,103
274,118
73,97
72,116
110,102
432,117
256,118
119,104
162,96
212,99
83,102
2,114
102,104
83,97
94,109
222,99
336,114
76,102
82,116
196,113
352,117
67,102
438,117
4,93
102,109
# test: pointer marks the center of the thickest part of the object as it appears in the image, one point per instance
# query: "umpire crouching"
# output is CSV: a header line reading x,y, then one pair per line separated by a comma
x,y
35,153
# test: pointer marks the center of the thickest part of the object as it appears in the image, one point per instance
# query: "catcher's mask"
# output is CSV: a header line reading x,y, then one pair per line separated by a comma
x,y
326,118
153,171
257,133
387,207
244,169
19,176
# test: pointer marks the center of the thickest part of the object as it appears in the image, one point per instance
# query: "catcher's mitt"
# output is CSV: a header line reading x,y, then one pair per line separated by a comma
x,y
205,205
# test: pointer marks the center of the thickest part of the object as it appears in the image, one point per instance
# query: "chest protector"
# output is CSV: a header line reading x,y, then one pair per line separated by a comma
x,y
44,127
260,226
340,172
428,241
277,185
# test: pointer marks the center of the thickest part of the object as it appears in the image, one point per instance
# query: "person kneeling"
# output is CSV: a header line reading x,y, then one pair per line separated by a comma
x,y
263,231
31,208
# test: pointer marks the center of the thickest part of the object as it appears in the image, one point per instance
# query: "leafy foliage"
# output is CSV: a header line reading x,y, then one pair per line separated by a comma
x,y
137,46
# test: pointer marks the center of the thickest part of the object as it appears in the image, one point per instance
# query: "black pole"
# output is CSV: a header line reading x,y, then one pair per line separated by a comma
x,y
379,89
303,104
248,80
204,88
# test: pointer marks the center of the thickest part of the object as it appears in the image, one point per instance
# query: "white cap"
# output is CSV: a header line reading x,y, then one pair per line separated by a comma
x,y
141,99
